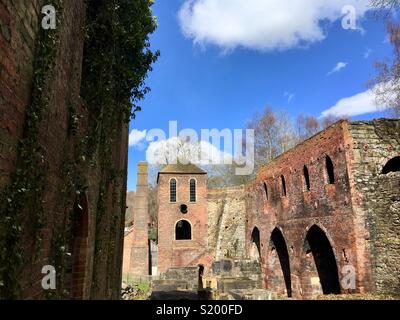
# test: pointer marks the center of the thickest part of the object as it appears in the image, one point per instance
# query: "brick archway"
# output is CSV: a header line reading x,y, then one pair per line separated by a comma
x,y
279,273
80,248
255,240
319,267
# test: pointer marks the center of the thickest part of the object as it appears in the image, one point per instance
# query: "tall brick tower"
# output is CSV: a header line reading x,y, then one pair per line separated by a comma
x,y
182,216
140,246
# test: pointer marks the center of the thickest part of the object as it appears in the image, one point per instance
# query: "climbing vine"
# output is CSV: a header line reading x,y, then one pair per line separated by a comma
x,y
117,58
27,182
116,61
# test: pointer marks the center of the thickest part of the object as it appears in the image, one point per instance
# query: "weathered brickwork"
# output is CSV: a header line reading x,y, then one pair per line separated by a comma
x,y
185,252
377,198
18,33
350,215
97,243
323,218
127,254
137,243
325,205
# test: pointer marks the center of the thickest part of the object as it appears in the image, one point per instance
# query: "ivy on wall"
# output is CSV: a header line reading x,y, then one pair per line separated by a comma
x,y
117,58
27,182
116,61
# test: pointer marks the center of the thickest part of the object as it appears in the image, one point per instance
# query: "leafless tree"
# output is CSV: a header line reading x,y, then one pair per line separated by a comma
x,y
386,4
307,126
330,120
386,84
224,175
274,134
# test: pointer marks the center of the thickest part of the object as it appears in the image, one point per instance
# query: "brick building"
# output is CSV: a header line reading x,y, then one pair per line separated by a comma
x,y
182,216
328,207
62,198
321,218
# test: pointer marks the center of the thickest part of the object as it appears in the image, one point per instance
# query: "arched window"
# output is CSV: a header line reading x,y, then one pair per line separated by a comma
x,y
193,196
266,190
393,165
306,178
172,190
255,238
183,230
283,181
330,170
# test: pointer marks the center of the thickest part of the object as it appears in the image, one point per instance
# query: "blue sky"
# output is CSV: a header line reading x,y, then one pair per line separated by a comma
x,y
207,80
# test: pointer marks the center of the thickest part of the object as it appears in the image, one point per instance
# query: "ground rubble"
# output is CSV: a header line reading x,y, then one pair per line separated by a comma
x,y
133,292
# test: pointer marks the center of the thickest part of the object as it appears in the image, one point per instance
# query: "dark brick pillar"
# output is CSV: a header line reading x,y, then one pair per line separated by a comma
x,y
140,247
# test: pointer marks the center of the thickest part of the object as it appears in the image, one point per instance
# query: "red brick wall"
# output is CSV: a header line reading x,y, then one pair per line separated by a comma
x,y
128,240
327,206
18,33
139,265
172,253
99,278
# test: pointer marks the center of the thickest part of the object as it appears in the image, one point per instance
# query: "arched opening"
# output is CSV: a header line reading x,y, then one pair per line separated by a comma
x,y
330,171
306,179
283,181
255,240
79,248
393,165
266,190
317,244
278,243
172,190
183,230
192,191
201,274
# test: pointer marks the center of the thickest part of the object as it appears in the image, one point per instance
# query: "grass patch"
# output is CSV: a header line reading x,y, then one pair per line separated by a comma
x,y
136,289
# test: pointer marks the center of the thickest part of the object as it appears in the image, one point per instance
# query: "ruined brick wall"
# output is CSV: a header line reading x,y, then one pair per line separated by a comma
x,y
377,198
127,254
181,253
284,221
227,222
91,274
311,217
356,217
18,34
139,259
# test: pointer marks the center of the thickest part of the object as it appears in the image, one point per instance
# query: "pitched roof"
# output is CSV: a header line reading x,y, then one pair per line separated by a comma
x,y
182,169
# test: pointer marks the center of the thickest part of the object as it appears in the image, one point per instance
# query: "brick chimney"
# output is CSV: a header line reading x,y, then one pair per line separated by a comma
x,y
140,248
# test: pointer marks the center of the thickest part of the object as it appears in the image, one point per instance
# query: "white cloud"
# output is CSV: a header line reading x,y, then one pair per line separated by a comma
x,y
367,53
261,24
339,66
386,40
289,96
201,153
361,103
136,137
